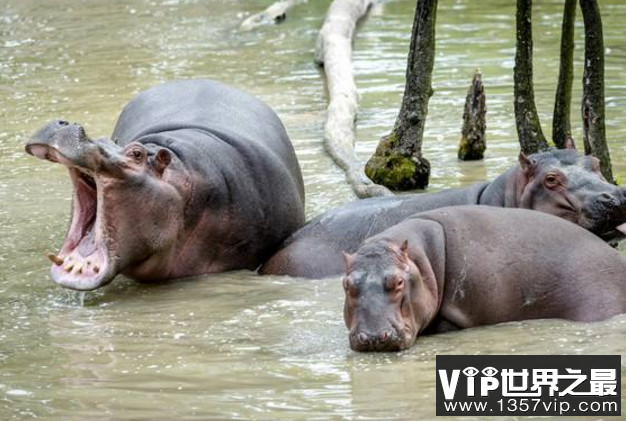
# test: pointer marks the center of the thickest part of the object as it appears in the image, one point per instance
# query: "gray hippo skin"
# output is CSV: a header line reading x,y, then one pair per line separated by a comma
x,y
197,178
558,182
465,266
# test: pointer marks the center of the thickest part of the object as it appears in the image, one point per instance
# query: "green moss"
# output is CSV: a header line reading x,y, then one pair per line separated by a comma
x,y
467,152
464,148
386,144
398,172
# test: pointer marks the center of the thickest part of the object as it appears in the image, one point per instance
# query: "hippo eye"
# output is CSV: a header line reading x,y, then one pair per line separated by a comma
x,y
552,180
136,154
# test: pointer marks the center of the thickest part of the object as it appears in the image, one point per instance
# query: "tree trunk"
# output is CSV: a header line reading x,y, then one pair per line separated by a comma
x,y
561,128
398,162
531,137
473,142
593,88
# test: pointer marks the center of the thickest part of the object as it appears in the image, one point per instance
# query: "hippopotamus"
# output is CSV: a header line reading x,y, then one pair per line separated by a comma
x,y
197,177
559,182
459,267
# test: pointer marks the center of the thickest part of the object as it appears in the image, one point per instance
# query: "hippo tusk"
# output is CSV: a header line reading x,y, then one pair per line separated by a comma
x,y
55,259
69,267
621,228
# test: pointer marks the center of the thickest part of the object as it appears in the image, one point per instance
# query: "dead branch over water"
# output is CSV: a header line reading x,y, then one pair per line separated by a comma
x,y
334,52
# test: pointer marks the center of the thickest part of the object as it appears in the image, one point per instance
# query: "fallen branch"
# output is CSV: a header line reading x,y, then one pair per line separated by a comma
x,y
275,13
334,51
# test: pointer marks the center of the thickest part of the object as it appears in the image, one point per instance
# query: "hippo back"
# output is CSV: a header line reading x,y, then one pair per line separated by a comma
x,y
209,106
200,104
238,152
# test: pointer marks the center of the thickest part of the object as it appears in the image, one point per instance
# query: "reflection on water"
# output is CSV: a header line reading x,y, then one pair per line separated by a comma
x,y
236,345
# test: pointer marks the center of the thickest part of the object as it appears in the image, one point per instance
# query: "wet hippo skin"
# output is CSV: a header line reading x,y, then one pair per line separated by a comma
x,y
558,182
198,177
459,267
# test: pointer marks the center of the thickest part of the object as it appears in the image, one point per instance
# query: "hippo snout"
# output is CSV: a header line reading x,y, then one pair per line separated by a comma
x,y
387,340
605,213
612,205
612,200
68,144
60,137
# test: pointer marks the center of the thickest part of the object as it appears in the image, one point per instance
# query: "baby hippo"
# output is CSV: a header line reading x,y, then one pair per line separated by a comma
x,y
459,267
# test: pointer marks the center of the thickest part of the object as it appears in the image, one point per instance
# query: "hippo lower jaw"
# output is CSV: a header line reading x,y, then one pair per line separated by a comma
x,y
607,233
84,262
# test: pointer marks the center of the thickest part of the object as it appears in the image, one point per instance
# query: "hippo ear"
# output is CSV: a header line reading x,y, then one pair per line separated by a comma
x,y
569,143
348,259
527,163
404,248
161,160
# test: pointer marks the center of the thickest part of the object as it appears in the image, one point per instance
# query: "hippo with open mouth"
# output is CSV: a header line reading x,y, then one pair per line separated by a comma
x,y
198,177
459,267
559,182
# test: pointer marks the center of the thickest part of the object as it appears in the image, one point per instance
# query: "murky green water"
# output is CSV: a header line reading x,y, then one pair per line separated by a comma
x,y
236,345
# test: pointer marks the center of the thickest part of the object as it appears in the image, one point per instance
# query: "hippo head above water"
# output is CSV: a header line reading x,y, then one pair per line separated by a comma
x,y
111,184
387,300
568,185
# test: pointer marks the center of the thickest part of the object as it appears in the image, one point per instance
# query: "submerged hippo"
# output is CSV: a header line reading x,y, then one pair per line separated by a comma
x,y
459,267
198,177
559,182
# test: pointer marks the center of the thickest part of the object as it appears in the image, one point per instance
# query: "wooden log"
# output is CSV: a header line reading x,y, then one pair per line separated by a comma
x,y
334,53
275,13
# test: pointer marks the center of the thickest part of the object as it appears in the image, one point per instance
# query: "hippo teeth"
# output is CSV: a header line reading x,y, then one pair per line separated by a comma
x,y
621,228
55,259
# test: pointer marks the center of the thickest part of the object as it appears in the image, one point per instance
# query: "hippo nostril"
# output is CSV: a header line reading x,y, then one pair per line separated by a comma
x,y
63,123
606,197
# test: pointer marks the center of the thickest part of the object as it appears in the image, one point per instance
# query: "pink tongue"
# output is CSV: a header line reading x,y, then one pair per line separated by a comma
x,y
87,244
622,228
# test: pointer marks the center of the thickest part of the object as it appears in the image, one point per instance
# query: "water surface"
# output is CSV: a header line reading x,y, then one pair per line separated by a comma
x,y
236,345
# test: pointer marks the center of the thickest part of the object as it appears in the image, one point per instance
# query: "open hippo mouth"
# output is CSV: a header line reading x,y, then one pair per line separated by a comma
x,y
85,261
